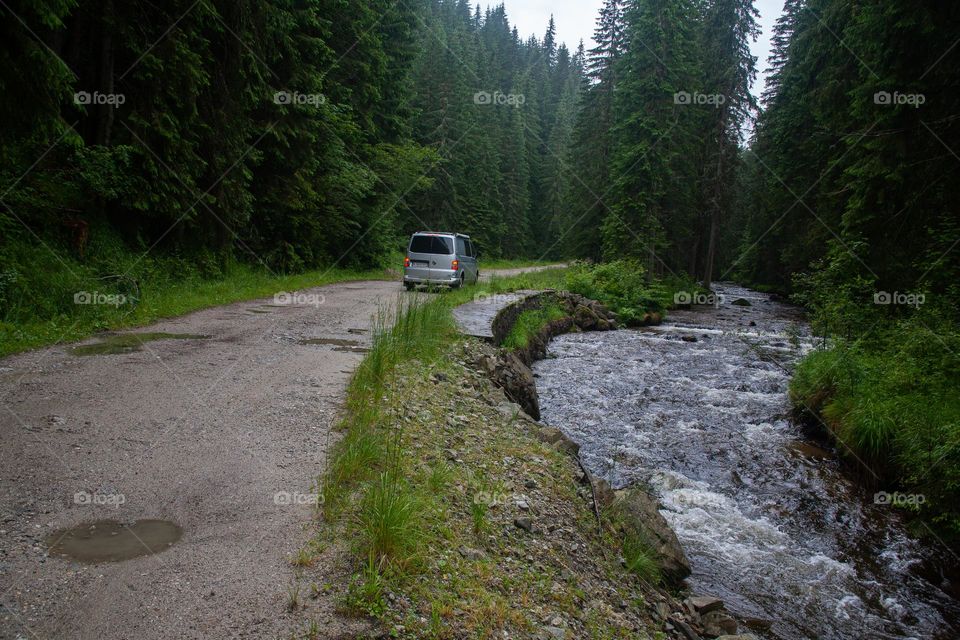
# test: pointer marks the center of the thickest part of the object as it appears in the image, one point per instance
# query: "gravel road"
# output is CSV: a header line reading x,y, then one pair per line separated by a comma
x,y
222,433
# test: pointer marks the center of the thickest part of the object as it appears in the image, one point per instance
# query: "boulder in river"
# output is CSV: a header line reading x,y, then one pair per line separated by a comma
x,y
641,515
742,302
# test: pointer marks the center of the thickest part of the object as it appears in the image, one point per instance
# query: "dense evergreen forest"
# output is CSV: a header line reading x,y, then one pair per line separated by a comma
x,y
172,142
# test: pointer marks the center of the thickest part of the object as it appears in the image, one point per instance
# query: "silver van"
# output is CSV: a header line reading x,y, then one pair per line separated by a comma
x,y
439,258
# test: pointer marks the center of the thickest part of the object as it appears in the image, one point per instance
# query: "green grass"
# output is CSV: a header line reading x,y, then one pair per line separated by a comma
x,y
505,263
26,325
368,477
406,512
640,558
892,403
529,323
622,286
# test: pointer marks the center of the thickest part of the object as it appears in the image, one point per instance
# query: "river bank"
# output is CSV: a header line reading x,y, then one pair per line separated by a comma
x,y
697,410
468,518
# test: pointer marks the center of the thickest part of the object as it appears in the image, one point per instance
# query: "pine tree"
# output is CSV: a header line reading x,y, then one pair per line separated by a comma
x,y
592,139
730,69
650,170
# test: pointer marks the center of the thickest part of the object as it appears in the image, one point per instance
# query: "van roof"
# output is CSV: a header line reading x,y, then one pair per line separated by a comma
x,y
440,233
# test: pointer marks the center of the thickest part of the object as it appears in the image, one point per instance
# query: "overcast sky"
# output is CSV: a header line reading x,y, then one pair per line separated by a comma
x,y
576,19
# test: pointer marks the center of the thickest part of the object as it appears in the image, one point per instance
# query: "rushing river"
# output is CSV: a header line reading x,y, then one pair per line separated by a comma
x,y
696,409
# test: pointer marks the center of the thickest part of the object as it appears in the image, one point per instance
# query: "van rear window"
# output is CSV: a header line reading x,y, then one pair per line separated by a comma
x,y
431,244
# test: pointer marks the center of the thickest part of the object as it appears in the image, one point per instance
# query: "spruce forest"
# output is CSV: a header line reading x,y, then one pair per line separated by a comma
x,y
148,145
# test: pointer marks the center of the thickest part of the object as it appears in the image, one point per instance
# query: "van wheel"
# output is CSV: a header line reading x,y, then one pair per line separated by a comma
x,y
408,286
459,282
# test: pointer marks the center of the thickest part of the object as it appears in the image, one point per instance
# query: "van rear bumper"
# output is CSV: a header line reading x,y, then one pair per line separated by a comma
x,y
437,276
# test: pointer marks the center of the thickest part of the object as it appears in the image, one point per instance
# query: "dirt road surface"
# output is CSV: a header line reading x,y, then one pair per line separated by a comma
x,y
221,430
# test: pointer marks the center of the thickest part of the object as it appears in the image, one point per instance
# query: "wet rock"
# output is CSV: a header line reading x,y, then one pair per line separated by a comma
x,y
524,523
685,630
662,609
603,492
585,318
641,514
758,624
516,379
718,623
742,302
704,604
689,338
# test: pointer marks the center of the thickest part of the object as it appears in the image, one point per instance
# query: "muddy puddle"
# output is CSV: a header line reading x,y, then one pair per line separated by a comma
x,y
112,541
129,343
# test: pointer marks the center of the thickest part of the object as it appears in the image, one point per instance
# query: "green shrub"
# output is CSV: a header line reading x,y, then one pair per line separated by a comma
x,y
622,286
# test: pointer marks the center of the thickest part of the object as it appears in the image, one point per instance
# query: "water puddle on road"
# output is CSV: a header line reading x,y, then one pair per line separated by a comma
x,y
112,541
129,342
769,521
338,344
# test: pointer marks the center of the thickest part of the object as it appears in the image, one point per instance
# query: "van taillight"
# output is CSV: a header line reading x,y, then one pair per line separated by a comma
x,y
455,265
406,261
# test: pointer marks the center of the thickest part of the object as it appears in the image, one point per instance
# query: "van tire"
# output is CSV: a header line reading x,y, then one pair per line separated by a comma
x,y
459,282
408,286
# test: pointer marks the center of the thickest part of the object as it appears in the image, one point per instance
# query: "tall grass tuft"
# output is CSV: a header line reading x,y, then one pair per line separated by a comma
x,y
388,517
640,558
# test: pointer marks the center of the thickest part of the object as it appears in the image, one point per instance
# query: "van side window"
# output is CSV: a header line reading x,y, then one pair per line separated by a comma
x,y
462,247
470,249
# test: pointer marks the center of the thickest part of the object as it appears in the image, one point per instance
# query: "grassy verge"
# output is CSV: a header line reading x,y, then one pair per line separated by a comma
x,y
892,403
529,323
163,296
504,263
432,480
